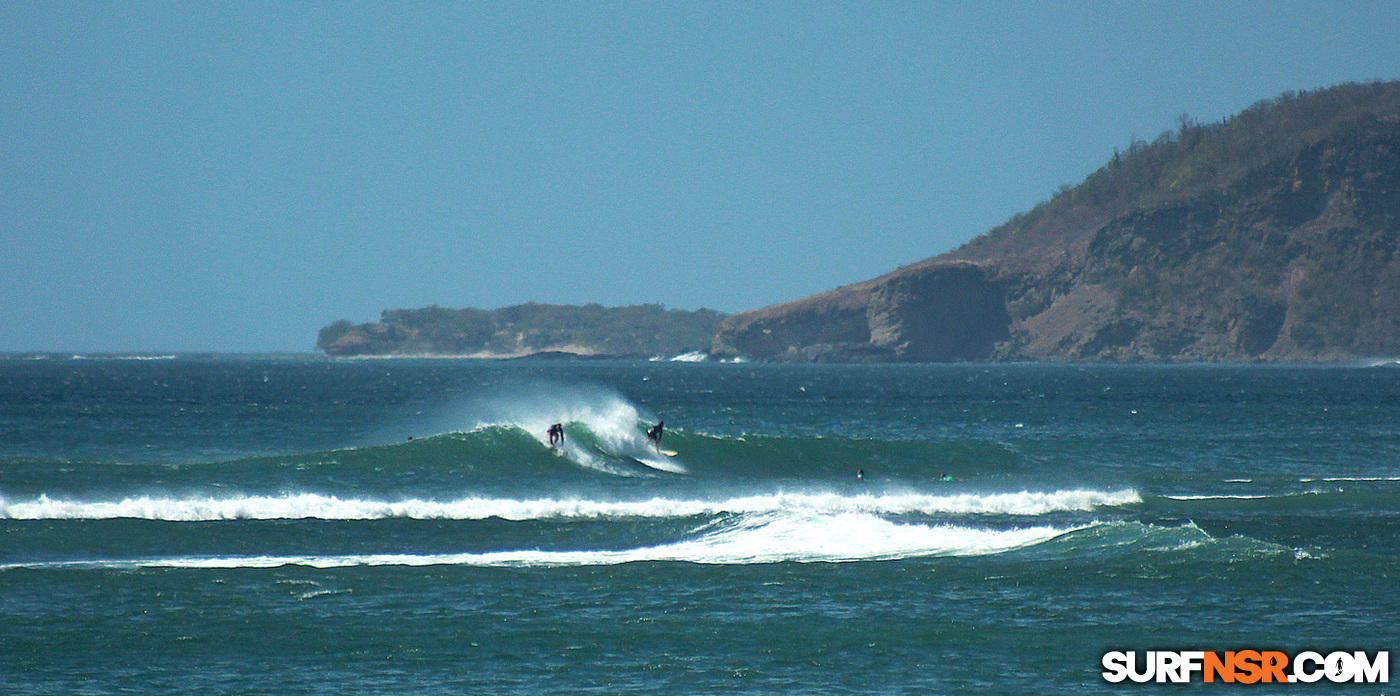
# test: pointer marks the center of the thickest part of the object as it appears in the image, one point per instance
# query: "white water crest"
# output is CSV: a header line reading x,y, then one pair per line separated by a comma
x,y
320,506
1228,496
765,538
694,356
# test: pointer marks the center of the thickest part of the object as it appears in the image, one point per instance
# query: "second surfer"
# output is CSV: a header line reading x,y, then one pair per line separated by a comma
x,y
655,434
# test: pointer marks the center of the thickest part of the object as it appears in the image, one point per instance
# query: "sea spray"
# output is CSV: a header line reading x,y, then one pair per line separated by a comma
x,y
610,427
605,413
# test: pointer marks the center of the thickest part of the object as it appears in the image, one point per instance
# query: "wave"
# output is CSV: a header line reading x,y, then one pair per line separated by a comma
x,y
805,537
692,357
773,537
605,433
320,506
1295,501
517,451
500,446
123,357
1231,496
1136,543
497,460
602,429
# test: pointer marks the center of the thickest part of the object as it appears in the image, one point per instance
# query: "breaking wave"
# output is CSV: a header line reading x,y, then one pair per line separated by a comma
x,y
320,506
743,539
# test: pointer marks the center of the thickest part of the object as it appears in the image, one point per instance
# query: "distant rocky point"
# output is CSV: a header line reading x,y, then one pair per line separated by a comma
x,y
539,330
1272,235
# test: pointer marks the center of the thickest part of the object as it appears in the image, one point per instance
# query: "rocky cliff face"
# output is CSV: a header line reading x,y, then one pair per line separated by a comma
x,y
1199,247
943,311
949,311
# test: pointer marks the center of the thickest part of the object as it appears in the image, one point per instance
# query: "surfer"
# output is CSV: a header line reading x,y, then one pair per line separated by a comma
x,y
556,435
860,474
655,434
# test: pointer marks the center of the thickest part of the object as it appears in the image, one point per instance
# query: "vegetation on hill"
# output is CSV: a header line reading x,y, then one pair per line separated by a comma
x,y
1192,160
593,329
1272,235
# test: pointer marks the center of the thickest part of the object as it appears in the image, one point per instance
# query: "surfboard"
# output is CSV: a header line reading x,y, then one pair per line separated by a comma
x,y
669,453
663,465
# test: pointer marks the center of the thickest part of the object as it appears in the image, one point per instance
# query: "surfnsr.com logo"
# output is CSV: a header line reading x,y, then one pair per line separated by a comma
x,y
1246,666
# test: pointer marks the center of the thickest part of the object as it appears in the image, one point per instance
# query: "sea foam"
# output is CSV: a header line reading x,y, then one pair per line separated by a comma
x,y
751,539
320,506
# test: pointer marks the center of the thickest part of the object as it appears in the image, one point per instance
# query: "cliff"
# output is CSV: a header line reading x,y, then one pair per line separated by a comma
x,y
528,329
1270,236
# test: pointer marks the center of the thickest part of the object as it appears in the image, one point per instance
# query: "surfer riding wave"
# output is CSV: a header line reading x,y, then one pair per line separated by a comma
x,y
654,434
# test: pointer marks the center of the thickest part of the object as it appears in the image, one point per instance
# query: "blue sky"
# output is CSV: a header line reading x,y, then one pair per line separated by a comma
x,y
231,176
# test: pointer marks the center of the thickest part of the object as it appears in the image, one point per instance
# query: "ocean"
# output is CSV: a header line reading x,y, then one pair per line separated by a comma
x,y
301,525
